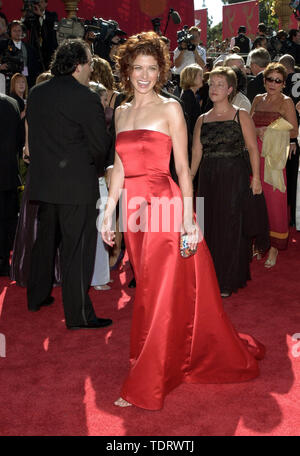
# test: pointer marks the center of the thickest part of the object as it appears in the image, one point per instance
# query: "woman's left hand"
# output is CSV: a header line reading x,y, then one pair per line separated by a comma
x,y
256,186
293,149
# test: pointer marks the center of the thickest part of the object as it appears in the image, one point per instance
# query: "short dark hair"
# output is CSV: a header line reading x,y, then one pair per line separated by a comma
x,y
293,33
242,29
241,79
4,17
68,55
262,27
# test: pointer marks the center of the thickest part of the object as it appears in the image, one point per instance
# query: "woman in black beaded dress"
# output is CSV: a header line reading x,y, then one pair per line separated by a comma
x,y
219,141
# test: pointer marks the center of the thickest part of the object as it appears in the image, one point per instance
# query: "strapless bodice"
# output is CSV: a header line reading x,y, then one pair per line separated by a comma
x,y
144,152
264,118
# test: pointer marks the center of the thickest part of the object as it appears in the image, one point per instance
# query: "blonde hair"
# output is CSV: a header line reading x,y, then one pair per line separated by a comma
x,y
44,77
188,75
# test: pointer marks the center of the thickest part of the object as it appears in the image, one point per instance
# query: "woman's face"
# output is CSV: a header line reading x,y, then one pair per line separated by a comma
x,y
198,81
218,88
274,83
20,86
144,74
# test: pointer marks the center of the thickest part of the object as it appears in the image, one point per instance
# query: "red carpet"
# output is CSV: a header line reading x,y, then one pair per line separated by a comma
x,y
59,382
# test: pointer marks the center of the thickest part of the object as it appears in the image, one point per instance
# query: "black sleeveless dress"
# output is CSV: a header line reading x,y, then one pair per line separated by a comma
x,y
224,181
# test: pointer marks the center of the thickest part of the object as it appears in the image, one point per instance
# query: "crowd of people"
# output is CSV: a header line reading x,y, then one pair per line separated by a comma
x,y
224,129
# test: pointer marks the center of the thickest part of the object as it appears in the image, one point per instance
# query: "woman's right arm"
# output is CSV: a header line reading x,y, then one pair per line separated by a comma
x,y
116,184
197,147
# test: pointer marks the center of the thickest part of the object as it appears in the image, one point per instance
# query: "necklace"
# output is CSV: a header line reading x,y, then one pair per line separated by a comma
x,y
222,112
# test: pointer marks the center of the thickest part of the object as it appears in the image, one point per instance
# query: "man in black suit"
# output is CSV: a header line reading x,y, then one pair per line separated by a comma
x,y
43,26
259,60
68,144
11,137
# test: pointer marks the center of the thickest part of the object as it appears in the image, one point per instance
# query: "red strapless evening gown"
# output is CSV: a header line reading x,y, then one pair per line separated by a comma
x,y
180,332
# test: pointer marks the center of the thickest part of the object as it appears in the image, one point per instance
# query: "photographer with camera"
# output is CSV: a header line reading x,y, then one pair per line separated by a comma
x,y
40,23
189,50
17,56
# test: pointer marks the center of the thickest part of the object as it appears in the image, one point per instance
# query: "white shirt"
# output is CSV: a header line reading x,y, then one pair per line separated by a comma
x,y
42,18
241,101
188,58
18,44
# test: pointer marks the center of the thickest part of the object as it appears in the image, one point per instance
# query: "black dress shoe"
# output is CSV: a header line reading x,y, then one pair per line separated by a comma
x,y
98,323
47,302
132,283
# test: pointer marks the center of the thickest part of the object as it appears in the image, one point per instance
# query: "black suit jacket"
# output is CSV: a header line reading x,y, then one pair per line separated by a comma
x,y
68,142
191,108
11,138
255,86
49,40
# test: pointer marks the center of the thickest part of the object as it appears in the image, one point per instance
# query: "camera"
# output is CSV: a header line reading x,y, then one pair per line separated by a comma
x,y
13,58
104,30
28,8
183,36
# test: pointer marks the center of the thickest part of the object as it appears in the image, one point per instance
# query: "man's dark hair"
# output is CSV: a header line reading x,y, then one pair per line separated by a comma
x,y
68,55
242,29
262,27
241,79
4,17
293,33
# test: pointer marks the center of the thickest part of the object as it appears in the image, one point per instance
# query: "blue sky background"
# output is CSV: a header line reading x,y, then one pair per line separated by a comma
x,y
214,9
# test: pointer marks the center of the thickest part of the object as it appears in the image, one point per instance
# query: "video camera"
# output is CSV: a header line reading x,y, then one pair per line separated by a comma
x,y
28,8
103,31
183,36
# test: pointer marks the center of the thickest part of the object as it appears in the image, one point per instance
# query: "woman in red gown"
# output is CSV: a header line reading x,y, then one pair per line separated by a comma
x,y
180,332
267,108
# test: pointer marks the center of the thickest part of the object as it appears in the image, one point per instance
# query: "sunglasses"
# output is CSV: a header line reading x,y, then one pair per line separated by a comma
x,y
276,80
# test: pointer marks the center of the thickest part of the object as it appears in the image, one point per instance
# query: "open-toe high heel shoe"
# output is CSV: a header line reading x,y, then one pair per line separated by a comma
x,y
270,262
122,403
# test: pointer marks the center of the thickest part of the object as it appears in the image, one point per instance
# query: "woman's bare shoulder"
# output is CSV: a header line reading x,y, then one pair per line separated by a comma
x,y
120,110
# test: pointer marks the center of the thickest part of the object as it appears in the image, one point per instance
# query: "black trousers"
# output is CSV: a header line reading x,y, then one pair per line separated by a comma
x,y
292,166
9,207
75,227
